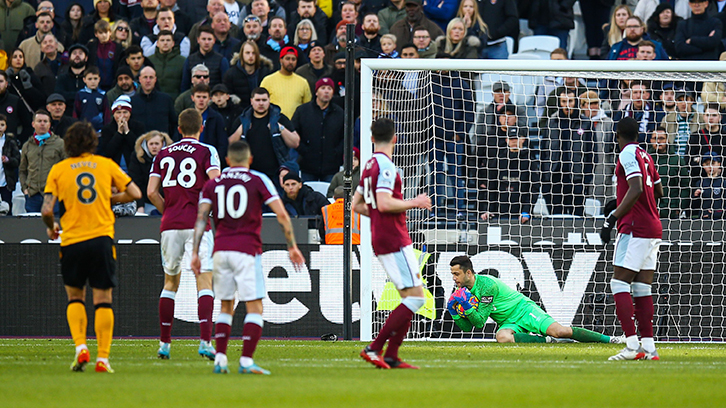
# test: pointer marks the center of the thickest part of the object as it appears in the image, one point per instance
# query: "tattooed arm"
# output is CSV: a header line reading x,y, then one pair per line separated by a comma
x,y
47,212
284,219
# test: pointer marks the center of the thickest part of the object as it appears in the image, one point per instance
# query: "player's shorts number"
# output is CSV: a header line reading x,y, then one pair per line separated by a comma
x,y
86,191
187,175
225,201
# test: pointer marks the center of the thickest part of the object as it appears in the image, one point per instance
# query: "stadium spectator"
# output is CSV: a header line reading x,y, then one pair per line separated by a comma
x,y
269,133
152,107
165,21
331,226
37,157
182,19
426,48
595,14
475,26
146,148
502,20
17,115
125,85
683,122
492,138
213,8
348,15
233,8
666,102
509,181
639,108
410,51
549,83
300,199
200,75
168,63
699,37
12,14
555,18
49,66
305,37
206,55
337,180
388,47
288,90
337,45
252,31
102,10
59,121
456,43
708,197
320,126
119,136
30,27
371,38
227,105
135,59
441,11
225,44
90,103
403,29
316,68
9,163
24,83
646,9
673,172
568,158
552,104
488,119
143,25
71,25
709,138
247,69
627,48
121,33
277,40
31,46
308,10
662,24
213,132
715,91
104,54
646,51
615,30
394,11
595,119
264,11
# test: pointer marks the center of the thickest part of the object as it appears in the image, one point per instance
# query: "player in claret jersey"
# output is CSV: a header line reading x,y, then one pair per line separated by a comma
x,y
379,197
181,170
236,199
636,246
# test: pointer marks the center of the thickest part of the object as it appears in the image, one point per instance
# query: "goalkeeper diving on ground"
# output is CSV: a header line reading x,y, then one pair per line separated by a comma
x,y
518,318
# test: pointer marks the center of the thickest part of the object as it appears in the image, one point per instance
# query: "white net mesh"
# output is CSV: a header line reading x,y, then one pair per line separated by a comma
x,y
496,148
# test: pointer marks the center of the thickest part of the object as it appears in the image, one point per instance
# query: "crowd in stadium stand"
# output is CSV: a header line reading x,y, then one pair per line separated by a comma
x,y
272,72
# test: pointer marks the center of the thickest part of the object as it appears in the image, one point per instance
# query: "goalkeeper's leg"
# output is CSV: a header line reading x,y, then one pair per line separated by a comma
x,y
559,331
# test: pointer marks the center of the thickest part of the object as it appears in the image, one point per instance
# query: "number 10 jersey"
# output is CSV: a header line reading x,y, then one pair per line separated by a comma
x,y
183,168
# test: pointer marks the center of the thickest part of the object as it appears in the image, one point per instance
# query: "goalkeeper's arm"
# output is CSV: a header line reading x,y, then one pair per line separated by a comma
x,y
463,323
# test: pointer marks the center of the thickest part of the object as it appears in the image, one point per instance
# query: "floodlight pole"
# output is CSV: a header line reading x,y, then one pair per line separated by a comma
x,y
348,181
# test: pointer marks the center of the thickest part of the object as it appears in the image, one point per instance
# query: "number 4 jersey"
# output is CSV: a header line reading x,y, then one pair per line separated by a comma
x,y
183,168
237,197
642,221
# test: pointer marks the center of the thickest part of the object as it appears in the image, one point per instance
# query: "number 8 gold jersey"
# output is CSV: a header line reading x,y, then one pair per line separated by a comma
x,y
83,187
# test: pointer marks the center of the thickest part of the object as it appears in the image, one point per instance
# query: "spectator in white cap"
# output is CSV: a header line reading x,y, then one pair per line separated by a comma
x,y
118,138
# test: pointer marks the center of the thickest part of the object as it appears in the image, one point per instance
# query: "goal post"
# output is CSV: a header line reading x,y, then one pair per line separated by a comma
x,y
452,148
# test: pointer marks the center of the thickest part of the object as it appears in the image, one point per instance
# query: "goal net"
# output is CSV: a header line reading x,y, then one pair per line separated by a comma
x,y
518,157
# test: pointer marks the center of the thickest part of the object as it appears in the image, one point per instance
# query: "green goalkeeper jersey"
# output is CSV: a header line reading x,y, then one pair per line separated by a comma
x,y
496,300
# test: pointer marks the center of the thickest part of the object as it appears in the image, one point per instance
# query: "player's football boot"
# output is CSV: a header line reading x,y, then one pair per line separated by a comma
x,y
220,364
103,367
80,360
617,339
625,354
164,350
374,358
206,350
398,363
550,339
253,369
647,355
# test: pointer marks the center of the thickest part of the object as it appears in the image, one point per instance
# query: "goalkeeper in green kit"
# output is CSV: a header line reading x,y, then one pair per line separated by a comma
x,y
518,318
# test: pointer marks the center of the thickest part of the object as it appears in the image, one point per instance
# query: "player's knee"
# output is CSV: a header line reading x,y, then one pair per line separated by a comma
x,y
505,336
560,332
641,289
618,286
414,303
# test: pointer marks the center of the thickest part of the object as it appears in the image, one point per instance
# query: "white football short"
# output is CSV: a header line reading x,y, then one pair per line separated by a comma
x,y
636,254
402,268
176,250
240,272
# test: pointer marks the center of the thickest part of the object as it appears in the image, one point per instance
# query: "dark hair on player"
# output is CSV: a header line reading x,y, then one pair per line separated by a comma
x,y
628,129
238,152
201,88
190,122
259,91
463,261
383,130
80,138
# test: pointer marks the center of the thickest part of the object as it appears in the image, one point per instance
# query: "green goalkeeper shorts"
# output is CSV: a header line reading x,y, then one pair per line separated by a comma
x,y
528,318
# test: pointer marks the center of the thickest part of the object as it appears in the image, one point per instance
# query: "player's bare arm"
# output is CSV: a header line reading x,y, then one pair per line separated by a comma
x,y
213,173
133,192
284,219
635,189
658,191
199,227
359,205
152,191
46,212
237,135
387,204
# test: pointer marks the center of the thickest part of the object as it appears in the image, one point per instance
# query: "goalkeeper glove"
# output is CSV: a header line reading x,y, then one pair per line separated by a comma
x,y
462,296
607,227
451,309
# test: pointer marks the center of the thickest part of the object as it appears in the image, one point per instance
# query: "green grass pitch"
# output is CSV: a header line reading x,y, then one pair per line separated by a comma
x,y
35,373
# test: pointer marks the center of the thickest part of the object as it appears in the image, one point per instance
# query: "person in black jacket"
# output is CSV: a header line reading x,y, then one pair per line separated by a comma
x,y
15,111
217,64
552,17
153,108
246,71
9,163
119,136
227,105
306,9
70,79
213,132
662,26
320,126
502,19
699,37
301,200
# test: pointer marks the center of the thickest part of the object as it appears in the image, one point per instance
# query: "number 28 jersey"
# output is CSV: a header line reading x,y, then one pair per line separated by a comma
x,y
237,197
643,220
388,230
183,168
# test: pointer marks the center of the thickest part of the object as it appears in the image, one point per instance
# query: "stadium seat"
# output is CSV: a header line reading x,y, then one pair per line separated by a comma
x,y
540,207
525,56
592,207
539,44
319,186
510,45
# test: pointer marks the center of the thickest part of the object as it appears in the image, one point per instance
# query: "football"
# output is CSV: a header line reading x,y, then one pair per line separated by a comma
x,y
472,300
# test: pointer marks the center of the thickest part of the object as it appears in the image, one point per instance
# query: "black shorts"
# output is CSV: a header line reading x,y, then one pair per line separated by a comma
x,y
93,261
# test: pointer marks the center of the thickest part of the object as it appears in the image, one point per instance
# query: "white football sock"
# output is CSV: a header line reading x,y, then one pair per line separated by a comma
x,y
648,344
632,342
246,361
